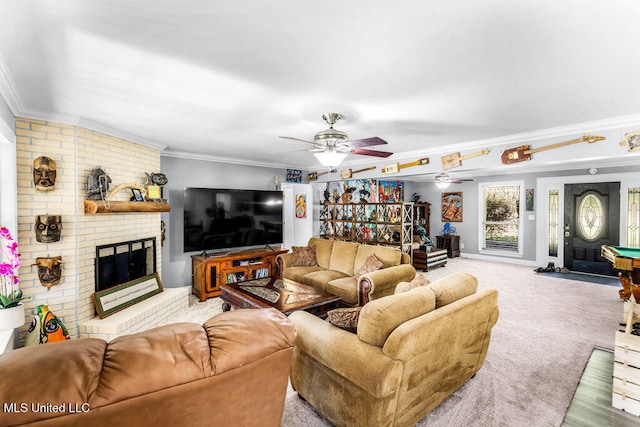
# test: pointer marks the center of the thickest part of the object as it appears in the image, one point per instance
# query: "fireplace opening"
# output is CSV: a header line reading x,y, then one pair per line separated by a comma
x,y
118,263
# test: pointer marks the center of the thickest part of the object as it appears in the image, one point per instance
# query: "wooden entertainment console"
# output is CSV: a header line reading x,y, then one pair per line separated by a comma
x,y
208,272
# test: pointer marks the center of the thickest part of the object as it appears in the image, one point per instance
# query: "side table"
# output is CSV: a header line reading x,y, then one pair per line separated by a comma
x,y
450,243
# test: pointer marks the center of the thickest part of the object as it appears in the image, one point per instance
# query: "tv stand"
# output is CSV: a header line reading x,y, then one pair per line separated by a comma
x,y
209,272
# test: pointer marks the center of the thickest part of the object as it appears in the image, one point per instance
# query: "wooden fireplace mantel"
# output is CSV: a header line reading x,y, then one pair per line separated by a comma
x,y
98,206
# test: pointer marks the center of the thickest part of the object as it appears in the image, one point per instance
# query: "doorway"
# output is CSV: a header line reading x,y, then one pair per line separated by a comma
x,y
591,219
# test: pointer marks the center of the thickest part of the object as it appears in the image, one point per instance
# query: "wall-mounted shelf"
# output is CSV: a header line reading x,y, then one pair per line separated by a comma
x,y
98,206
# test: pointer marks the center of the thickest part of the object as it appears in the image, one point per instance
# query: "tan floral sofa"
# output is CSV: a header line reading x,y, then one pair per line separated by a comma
x,y
411,351
347,269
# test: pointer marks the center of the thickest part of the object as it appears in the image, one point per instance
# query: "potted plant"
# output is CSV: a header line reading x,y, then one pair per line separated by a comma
x,y
11,310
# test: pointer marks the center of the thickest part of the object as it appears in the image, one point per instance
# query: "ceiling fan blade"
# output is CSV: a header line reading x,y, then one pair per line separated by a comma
x,y
294,151
459,181
297,139
365,152
367,142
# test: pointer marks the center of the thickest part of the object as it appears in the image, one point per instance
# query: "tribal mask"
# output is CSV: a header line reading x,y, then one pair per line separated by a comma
x,y
49,270
48,228
44,173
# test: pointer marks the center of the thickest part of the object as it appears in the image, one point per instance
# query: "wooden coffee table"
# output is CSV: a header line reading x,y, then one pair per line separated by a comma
x,y
283,294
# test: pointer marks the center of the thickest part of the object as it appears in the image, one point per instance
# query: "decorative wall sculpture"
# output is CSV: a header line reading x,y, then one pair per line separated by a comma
x,y
44,173
49,270
48,228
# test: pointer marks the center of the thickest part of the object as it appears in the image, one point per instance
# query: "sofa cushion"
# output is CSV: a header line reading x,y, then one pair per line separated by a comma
x,y
346,288
319,279
323,249
344,318
304,256
380,317
453,287
343,257
389,256
371,264
419,280
297,273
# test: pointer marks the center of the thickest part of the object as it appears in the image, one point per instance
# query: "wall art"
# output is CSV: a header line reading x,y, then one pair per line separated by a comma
x,y
301,205
452,207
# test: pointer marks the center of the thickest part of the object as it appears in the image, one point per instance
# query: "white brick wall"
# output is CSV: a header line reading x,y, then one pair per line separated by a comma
x,y
76,151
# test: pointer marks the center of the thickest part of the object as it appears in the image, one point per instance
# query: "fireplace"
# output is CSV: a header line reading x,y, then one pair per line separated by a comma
x,y
118,263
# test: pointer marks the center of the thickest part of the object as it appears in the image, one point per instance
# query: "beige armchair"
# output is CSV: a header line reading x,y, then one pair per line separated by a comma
x,y
411,351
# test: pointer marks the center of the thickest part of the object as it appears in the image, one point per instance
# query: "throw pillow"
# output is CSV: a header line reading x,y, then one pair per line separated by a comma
x,y
419,280
304,256
370,264
345,318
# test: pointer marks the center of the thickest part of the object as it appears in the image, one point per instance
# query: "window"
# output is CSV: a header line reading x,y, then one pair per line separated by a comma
x,y
554,219
633,218
591,217
500,218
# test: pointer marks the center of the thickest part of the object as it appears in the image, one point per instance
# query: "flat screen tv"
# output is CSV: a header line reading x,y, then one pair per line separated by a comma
x,y
222,219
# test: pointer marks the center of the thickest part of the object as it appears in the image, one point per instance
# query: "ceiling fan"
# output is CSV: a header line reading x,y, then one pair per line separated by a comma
x,y
443,180
332,145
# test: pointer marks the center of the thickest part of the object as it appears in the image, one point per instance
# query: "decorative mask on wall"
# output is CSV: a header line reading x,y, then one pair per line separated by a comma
x,y
44,173
49,270
48,228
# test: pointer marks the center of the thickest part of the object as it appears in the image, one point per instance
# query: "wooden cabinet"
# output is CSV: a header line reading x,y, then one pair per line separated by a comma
x,y
373,223
209,272
450,243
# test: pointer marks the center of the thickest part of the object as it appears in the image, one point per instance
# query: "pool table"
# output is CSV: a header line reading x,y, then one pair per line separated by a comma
x,y
628,261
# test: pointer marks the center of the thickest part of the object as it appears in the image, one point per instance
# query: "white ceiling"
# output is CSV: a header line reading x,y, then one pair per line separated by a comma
x,y
223,80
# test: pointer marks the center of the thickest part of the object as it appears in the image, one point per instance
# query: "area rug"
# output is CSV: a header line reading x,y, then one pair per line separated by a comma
x,y
583,277
547,329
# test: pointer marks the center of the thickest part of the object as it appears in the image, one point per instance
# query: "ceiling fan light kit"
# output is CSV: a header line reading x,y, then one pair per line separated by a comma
x,y
330,158
442,184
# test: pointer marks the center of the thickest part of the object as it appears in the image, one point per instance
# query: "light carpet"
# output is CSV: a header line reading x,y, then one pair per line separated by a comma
x,y
546,331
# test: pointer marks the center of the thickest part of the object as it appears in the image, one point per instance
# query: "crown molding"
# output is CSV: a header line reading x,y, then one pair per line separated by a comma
x,y
218,159
118,133
9,90
89,124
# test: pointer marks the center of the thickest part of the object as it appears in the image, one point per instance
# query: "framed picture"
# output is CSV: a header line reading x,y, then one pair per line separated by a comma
x,y
452,207
119,297
294,175
529,197
301,205
154,192
390,191
137,195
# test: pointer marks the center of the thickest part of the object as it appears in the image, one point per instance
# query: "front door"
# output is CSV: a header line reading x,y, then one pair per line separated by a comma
x,y
591,219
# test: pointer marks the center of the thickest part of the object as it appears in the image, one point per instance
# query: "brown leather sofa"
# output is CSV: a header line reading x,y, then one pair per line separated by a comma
x,y
337,263
232,370
412,350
